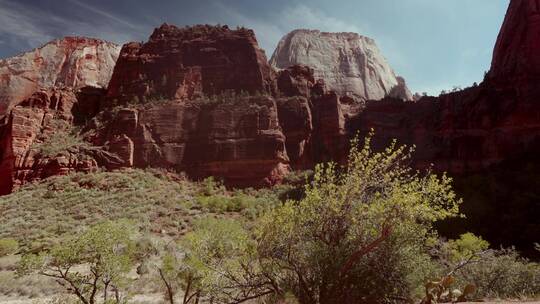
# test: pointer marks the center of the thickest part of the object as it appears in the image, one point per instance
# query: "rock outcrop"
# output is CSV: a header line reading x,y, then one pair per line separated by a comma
x,y
31,124
72,62
185,63
200,100
516,52
350,64
238,139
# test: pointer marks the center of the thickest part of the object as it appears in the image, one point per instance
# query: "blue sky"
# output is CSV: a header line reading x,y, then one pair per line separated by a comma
x,y
434,44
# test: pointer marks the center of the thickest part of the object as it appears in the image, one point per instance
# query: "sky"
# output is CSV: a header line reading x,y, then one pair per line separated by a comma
x,y
434,44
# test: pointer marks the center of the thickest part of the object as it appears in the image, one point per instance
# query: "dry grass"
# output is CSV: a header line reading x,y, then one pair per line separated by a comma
x,y
162,204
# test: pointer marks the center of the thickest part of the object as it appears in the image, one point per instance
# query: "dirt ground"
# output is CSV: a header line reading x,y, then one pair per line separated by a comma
x,y
156,299
139,299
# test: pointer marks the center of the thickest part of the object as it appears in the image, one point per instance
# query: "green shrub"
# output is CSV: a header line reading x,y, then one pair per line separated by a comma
x,y
465,247
106,249
358,236
494,273
39,214
214,203
503,274
61,139
210,186
8,247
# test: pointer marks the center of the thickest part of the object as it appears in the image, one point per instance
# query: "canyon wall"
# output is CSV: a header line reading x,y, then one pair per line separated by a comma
x,y
204,100
71,62
349,63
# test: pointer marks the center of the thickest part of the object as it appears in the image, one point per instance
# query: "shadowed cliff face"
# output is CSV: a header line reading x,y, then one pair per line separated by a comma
x,y
518,45
34,121
487,137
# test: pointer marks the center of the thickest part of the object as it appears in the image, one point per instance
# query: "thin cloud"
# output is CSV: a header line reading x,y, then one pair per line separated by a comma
x,y
105,14
22,25
301,16
271,29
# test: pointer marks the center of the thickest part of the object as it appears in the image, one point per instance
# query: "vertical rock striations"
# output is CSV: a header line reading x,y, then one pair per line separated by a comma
x,y
42,119
349,63
197,99
40,93
516,52
183,63
72,62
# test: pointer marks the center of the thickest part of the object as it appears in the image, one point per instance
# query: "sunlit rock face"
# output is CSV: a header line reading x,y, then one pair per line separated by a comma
x,y
350,64
218,115
71,62
184,63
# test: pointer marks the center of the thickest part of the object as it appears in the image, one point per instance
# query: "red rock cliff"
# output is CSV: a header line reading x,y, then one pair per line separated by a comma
x,y
200,101
71,62
183,63
516,53
32,123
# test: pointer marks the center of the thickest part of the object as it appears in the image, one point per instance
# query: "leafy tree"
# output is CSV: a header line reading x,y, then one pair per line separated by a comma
x,y
358,236
221,264
96,260
466,246
176,275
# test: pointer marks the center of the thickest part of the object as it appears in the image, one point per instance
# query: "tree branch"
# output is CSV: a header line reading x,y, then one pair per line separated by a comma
x,y
170,294
353,259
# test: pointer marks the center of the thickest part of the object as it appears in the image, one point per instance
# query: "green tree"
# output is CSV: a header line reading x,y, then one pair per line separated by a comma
x,y
358,236
221,264
177,275
96,260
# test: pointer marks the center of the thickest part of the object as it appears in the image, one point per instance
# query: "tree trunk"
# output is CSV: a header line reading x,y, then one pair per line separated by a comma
x,y
105,289
170,293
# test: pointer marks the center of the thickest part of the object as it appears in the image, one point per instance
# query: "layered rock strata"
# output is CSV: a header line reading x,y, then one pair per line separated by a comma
x,y
71,62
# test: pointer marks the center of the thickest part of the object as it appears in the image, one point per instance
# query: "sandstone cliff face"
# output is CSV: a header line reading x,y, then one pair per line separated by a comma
x,y
35,121
348,63
184,63
72,62
238,140
200,102
518,45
